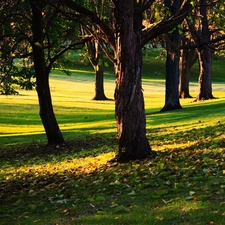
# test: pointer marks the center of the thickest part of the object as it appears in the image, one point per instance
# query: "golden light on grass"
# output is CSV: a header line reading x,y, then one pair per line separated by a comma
x,y
76,111
76,166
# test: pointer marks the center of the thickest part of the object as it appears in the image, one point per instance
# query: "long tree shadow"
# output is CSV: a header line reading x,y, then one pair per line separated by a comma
x,y
79,187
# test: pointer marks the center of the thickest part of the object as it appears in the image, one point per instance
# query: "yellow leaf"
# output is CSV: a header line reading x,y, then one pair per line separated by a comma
x,y
38,44
97,68
192,3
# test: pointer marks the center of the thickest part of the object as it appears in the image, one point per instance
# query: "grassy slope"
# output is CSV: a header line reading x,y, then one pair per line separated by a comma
x,y
184,184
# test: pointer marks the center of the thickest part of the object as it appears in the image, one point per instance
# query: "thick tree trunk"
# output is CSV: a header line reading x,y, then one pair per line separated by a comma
x,y
205,74
187,60
205,54
130,112
42,78
172,100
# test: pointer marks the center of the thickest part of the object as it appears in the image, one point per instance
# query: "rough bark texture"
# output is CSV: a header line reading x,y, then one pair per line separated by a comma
x,y
205,74
130,112
187,60
172,101
47,115
205,54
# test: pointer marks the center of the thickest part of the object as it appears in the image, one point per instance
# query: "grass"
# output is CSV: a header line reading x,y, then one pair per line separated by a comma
x,y
78,184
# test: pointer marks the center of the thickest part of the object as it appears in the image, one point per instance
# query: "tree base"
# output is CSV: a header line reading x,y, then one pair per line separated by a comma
x,y
200,98
101,98
125,157
170,107
185,96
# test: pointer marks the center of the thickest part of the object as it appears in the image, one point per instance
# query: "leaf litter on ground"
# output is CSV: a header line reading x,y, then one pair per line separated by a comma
x,y
73,184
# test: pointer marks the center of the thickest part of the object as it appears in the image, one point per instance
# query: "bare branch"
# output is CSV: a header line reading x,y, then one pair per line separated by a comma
x,y
201,44
62,52
93,18
167,25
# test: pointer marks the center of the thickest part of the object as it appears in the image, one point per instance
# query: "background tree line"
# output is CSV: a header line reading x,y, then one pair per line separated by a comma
x,y
42,31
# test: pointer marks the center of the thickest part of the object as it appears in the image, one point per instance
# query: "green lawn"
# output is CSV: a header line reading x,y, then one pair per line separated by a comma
x,y
78,184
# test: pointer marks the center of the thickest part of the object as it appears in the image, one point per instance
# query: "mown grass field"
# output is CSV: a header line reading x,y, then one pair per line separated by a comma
x,y
77,183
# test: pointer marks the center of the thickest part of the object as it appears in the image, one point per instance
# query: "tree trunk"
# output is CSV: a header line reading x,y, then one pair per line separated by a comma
x,y
99,84
42,78
187,60
205,54
130,112
97,61
172,101
205,73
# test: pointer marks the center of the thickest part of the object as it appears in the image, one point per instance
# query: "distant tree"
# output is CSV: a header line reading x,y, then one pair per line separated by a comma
x,y
173,40
96,58
205,54
126,37
205,29
97,61
187,59
96,55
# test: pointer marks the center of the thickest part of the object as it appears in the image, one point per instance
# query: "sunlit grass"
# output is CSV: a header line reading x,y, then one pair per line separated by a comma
x,y
79,186
83,165
76,112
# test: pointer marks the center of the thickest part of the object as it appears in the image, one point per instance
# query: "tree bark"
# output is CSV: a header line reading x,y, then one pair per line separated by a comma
x,y
99,84
205,53
130,112
172,101
187,60
47,115
126,39
97,61
205,74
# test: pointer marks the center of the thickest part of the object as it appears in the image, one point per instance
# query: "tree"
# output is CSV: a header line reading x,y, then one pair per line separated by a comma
x,y
187,60
96,58
205,31
41,32
205,54
96,55
126,37
6,59
97,61
172,62
42,76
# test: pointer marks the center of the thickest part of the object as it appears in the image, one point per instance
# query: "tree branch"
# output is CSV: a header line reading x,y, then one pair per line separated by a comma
x,y
147,5
93,18
201,44
62,52
167,25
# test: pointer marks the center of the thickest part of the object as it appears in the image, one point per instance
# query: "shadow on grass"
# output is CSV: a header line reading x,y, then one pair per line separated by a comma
x,y
39,152
183,186
191,112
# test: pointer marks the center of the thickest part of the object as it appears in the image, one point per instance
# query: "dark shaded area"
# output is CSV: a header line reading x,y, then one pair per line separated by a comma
x,y
139,185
